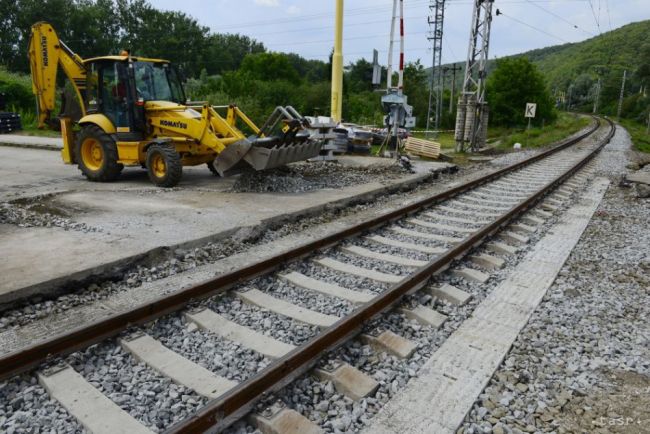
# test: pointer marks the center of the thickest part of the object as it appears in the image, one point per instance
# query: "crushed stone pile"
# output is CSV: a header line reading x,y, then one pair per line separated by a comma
x,y
303,177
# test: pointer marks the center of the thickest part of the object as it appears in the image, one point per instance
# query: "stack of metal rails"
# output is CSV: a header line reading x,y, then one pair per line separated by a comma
x,y
9,122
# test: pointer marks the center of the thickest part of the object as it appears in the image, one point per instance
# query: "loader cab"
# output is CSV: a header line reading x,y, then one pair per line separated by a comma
x,y
119,86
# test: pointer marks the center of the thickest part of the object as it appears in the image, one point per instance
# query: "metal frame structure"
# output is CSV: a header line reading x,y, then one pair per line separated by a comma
x,y
436,24
471,120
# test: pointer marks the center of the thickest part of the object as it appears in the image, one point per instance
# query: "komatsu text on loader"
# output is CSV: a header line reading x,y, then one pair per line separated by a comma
x,y
132,111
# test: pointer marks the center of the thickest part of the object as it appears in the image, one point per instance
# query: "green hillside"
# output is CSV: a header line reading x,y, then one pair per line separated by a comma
x,y
612,51
575,69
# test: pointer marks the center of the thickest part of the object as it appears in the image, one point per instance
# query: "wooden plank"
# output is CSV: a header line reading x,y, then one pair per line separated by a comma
x,y
423,148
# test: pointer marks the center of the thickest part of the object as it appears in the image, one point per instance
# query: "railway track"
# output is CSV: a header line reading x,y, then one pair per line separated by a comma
x,y
333,287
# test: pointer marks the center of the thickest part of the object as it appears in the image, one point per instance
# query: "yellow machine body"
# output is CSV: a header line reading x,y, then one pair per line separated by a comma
x,y
119,118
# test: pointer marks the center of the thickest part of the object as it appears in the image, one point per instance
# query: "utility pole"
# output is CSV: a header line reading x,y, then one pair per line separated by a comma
x,y
472,114
620,98
568,104
454,68
436,25
337,66
597,99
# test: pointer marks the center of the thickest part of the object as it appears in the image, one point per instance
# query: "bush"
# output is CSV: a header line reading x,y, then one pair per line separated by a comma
x,y
515,82
18,91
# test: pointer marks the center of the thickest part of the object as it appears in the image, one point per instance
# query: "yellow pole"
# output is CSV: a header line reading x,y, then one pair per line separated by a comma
x,y
337,65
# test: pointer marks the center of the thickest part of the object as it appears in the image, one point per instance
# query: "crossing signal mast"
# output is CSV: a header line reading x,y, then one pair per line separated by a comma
x,y
436,23
472,113
394,102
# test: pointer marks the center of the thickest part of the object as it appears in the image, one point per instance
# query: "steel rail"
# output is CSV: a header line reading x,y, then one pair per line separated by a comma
x,y
234,404
30,357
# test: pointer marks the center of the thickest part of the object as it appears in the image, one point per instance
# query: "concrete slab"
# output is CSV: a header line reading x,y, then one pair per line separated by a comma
x,y
487,261
541,213
482,215
93,410
560,196
265,301
523,228
451,380
424,315
330,289
471,275
425,235
391,343
449,218
367,253
176,367
441,227
34,142
136,220
548,206
531,220
491,203
513,238
215,323
450,294
349,381
285,421
409,246
480,207
342,267
501,248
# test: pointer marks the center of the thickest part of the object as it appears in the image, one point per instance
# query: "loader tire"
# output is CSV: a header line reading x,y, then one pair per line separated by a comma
x,y
164,165
96,155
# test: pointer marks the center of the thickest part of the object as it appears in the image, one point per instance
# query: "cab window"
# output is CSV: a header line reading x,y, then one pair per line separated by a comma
x,y
157,82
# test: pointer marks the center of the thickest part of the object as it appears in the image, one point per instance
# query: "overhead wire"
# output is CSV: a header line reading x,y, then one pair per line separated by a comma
x,y
593,12
560,17
532,27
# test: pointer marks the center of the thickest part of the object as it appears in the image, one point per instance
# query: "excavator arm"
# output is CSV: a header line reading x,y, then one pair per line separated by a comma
x,y
46,54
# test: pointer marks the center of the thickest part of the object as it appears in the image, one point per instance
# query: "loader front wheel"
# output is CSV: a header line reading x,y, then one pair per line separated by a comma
x,y
164,165
96,155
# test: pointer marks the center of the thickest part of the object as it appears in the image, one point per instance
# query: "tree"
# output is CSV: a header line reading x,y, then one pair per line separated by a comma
x,y
415,87
360,76
514,83
269,67
225,52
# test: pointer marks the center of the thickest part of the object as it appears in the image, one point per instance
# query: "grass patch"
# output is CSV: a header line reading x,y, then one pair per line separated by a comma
x,y
566,125
640,137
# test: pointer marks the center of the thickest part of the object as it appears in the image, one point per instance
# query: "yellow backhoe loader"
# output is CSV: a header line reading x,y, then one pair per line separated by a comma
x,y
132,111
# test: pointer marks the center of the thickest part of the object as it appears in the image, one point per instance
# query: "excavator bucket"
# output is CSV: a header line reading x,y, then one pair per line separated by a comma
x,y
267,151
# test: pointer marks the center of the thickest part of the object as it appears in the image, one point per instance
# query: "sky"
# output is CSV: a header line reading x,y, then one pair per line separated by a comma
x,y
307,27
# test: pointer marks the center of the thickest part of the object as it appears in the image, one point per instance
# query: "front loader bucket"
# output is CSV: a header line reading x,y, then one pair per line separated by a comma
x,y
267,153
262,158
